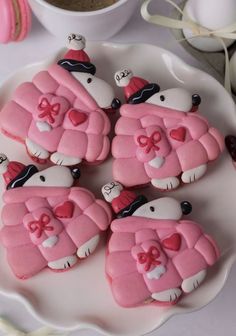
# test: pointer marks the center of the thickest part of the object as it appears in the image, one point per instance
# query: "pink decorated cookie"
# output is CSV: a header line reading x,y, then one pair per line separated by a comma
x,y
46,221
59,115
156,257
159,139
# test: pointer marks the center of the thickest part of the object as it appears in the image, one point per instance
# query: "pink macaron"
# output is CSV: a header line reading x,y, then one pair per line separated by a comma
x,y
15,20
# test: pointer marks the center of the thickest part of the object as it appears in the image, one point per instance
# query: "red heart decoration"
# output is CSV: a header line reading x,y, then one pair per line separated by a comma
x,y
173,242
65,210
178,134
76,117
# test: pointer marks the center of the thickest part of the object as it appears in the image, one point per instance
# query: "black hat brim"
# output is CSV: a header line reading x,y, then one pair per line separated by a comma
x,y
76,66
144,94
130,209
21,178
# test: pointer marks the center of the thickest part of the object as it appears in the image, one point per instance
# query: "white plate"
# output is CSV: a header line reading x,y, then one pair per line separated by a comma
x,y
81,298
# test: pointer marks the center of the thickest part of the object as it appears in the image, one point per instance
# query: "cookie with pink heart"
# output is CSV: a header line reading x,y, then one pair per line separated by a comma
x,y
155,256
160,136
61,114
48,223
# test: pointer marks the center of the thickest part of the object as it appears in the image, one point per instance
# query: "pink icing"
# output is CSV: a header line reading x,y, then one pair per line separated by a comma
x,y
57,98
31,215
138,245
146,131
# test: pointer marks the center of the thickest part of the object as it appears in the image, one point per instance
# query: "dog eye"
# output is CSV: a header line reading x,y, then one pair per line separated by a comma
x,y
162,98
152,209
42,178
73,36
89,80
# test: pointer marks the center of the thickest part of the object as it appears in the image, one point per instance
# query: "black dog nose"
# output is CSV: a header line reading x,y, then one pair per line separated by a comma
x,y
76,173
186,207
196,100
116,103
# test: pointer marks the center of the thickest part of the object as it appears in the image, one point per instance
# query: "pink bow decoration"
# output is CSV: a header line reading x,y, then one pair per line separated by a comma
x,y
38,227
149,258
48,110
150,142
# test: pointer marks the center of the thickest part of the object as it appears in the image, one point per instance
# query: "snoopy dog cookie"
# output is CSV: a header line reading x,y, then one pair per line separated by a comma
x,y
155,256
46,221
160,137
59,116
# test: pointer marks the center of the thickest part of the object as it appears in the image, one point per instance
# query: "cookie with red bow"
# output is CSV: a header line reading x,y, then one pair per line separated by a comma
x,y
156,256
48,223
61,114
160,136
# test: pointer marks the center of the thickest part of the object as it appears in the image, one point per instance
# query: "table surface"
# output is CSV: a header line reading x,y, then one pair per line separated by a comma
x,y
218,317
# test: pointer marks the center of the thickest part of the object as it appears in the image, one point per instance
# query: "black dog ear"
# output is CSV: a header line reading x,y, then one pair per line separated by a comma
x,y
76,173
77,66
144,94
21,178
196,100
186,207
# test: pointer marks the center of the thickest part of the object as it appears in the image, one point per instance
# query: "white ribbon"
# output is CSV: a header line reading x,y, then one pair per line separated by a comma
x,y
9,329
228,32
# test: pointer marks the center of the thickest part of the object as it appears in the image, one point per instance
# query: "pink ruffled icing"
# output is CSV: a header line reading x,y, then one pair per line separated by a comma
x,y
135,241
29,218
145,131
50,97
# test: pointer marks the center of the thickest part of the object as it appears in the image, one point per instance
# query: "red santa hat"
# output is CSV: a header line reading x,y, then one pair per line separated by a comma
x,y
77,61
136,89
124,202
15,174
139,90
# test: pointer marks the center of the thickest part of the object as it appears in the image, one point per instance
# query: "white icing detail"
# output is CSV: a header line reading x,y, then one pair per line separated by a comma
x,y
168,183
55,176
36,150
169,295
142,93
157,162
63,263
50,242
177,99
161,208
87,248
157,272
3,163
123,77
101,91
64,160
111,190
43,126
188,285
194,174
76,42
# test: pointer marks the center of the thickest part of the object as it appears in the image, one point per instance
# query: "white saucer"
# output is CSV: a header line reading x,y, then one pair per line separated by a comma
x,y
82,298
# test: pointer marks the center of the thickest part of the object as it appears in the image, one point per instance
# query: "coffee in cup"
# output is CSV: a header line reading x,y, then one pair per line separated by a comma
x,y
82,5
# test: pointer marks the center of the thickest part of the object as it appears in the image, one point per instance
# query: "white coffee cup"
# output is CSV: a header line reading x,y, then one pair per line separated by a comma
x,y
94,25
